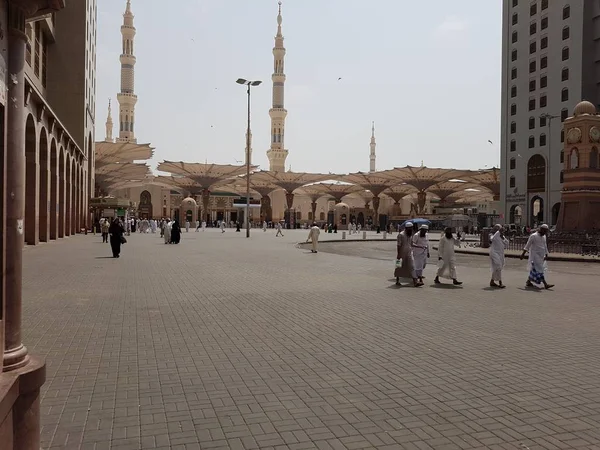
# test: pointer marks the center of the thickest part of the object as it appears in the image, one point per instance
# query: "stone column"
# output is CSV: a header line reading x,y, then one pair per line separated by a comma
x,y
289,198
313,206
15,353
376,209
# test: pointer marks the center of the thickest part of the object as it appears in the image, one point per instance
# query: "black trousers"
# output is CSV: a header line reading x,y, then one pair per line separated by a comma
x,y
115,245
104,237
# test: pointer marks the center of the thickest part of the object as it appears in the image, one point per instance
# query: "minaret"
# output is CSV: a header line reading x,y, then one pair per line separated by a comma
x,y
127,99
109,124
373,145
277,154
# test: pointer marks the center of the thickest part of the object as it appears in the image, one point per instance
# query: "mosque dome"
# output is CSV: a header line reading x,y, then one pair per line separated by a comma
x,y
340,206
584,107
189,202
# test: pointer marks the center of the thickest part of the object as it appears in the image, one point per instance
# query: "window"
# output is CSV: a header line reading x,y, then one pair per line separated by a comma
x,y
531,142
515,19
562,176
513,146
513,73
565,53
532,47
531,104
544,62
531,85
513,163
574,159
532,66
513,110
536,173
515,3
566,33
544,4
44,63
562,156
543,101
542,121
566,12
515,37
543,81
562,135
532,28
544,23
514,55
531,123
594,158
565,74
322,216
542,140
564,114
512,182
513,127
533,9
513,92
544,42
29,33
564,95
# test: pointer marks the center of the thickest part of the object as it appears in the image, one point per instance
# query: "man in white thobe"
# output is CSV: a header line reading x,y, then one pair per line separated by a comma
x,y
447,258
222,226
203,225
498,244
313,235
420,246
167,231
279,232
538,252
197,226
187,226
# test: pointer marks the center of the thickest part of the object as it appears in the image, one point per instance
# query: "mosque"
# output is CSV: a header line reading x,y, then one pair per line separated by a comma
x,y
212,192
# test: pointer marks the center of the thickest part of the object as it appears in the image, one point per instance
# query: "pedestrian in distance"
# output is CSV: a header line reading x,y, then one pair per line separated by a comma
x,y
313,236
498,244
104,227
117,237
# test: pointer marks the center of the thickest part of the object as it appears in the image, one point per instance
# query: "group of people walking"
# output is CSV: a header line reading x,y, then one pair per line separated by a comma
x,y
170,231
413,253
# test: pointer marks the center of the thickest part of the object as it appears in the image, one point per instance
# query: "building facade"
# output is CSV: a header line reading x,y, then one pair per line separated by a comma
x,y
59,83
549,63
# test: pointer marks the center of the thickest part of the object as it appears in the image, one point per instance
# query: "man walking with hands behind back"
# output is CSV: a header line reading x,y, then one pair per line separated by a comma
x,y
313,235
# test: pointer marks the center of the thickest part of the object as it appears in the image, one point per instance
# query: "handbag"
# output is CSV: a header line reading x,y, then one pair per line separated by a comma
x,y
123,240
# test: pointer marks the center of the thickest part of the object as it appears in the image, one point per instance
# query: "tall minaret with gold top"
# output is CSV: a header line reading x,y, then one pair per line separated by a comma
x,y
373,146
277,154
127,99
109,124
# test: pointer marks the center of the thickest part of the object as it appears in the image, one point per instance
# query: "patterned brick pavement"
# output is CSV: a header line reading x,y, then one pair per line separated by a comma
x,y
224,343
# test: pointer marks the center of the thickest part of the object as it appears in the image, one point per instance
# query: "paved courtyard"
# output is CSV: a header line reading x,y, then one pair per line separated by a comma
x,y
227,343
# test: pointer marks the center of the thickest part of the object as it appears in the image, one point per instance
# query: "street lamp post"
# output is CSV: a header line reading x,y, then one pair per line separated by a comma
x,y
548,208
248,84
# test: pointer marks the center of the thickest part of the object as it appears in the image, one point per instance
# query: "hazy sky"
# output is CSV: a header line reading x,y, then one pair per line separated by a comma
x,y
427,72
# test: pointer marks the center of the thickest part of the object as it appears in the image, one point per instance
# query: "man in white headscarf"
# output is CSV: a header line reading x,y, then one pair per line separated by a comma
x,y
167,231
420,247
538,252
498,244
447,258
313,236
406,263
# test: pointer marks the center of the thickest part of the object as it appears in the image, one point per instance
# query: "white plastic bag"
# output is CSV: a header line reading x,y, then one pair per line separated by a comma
x,y
398,263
